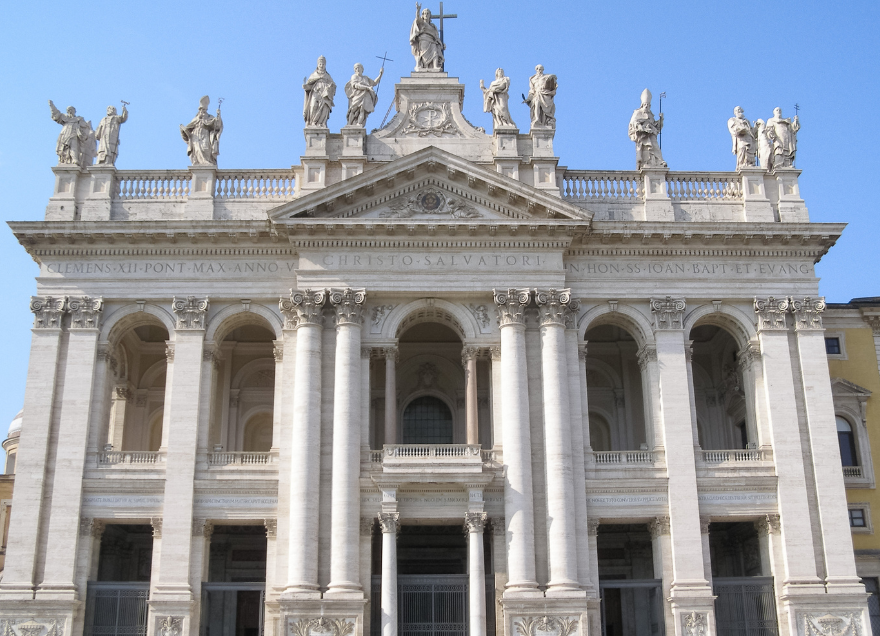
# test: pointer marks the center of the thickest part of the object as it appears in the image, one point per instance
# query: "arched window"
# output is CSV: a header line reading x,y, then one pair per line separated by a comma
x,y
427,420
600,433
258,434
847,441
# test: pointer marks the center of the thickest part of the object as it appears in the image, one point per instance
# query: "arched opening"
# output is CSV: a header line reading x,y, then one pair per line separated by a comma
x,y
244,388
718,390
846,439
614,388
137,369
427,420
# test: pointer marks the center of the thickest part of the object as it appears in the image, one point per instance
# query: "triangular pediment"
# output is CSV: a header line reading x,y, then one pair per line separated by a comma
x,y
430,185
840,386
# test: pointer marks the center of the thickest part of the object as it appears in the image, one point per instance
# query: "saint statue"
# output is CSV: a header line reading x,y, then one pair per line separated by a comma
x,y
425,41
765,145
643,129
495,100
542,90
202,136
361,96
73,142
783,133
320,89
744,138
107,135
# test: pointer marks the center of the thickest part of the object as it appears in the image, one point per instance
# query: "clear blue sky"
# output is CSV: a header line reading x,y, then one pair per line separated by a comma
x,y
708,56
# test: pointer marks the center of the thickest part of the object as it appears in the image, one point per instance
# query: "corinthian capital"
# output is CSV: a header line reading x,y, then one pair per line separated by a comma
x,y
553,305
389,521
85,312
349,304
308,305
807,313
668,313
511,305
475,521
48,311
771,313
191,312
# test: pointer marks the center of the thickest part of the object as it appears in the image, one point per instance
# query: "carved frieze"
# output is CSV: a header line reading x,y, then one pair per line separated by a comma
x,y
550,625
349,305
85,312
169,351
582,351
191,313
770,313
48,311
807,313
475,522
431,201
497,524
366,353
668,312
704,524
511,305
308,305
90,527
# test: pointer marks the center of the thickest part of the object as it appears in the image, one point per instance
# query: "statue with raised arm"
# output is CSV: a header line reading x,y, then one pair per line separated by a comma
x,y
361,96
425,42
202,135
542,91
744,138
765,145
643,130
783,133
107,135
495,100
320,89
74,138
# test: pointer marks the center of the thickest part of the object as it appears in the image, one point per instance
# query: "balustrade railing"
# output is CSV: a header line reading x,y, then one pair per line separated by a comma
x,y
623,457
255,184
704,186
853,471
239,458
152,184
432,451
731,456
587,185
376,456
111,458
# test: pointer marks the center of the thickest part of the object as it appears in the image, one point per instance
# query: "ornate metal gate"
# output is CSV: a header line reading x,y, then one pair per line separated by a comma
x,y
432,605
116,609
745,606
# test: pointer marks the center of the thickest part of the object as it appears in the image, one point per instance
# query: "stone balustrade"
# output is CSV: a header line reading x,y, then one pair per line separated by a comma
x,y
616,458
704,186
434,458
590,185
733,456
853,471
241,458
171,185
130,458
275,185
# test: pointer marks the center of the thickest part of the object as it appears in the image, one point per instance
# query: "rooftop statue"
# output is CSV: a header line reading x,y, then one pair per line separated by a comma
x,y
202,135
542,91
320,89
361,96
765,145
77,139
743,135
107,135
425,41
643,130
783,133
495,100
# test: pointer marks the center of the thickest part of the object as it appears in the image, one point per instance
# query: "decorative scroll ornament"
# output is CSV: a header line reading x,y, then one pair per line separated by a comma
x,y
693,624
427,119
475,521
85,312
32,627
807,313
553,305
389,521
349,305
431,201
771,313
48,311
848,624
555,625
288,310
309,306
668,313
191,313
511,305
169,626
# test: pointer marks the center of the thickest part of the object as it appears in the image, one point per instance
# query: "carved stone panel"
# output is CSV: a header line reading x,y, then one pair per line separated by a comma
x,y
545,625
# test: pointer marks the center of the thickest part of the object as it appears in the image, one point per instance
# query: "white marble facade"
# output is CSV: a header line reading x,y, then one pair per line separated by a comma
x,y
214,347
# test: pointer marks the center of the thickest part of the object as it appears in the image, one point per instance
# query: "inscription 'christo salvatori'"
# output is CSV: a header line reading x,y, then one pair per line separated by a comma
x,y
433,260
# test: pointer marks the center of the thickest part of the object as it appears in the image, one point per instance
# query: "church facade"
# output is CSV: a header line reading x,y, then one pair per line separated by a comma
x,y
429,380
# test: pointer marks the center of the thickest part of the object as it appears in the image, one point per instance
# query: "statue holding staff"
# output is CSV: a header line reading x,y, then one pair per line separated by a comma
x,y
361,96
320,89
202,135
425,42
783,133
107,135
495,99
643,130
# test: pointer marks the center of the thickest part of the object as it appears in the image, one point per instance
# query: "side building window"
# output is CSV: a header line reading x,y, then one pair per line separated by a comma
x,y
846,440
832,346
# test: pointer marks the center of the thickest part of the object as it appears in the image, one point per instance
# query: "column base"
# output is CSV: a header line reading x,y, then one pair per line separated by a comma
x,y
38,616
317,617
548,615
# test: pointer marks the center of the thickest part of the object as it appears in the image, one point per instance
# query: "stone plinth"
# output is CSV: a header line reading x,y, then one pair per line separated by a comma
x,y
756,205
101,190
658,206
791,205
69,180
200,203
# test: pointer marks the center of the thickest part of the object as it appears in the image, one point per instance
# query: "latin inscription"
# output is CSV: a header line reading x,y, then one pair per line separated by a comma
x,y
687,269
143,269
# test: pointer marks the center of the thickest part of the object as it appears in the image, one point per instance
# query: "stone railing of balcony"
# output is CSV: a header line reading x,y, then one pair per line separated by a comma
x,y
853,471
617,458
155,185
246,459
596,185
251,185
432,458
737,456
138,459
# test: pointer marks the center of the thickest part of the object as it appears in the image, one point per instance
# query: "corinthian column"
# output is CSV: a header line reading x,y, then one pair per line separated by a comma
x,y
469,360
553,306
302,570
474,523
345,507
391,354
518,506
389,522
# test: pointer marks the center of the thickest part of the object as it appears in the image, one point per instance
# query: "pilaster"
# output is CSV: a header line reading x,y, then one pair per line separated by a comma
x,y
314,163
544,163
354,155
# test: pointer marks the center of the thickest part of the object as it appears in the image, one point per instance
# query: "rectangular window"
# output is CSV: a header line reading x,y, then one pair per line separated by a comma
x,y
857,518
832,346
